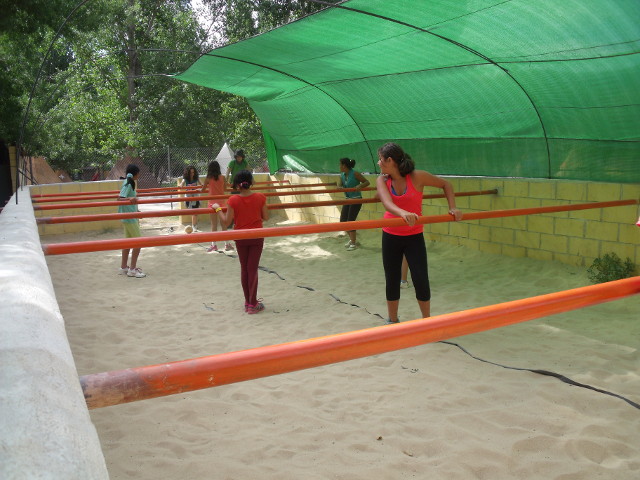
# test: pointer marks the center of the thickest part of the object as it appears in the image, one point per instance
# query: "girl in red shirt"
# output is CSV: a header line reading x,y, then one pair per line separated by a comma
x,y
214,185
400,189
248,210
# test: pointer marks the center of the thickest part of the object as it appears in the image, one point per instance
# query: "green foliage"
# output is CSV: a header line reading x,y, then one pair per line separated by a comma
x,y
106,85
610,267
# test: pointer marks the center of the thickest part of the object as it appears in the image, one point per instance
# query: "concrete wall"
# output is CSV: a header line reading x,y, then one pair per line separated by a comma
x,y
575,238
77,187
45,428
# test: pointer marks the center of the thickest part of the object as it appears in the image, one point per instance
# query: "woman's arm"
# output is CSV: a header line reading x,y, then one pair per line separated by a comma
x,y
204,185
225,217
265,212
364,183
127,189
425,179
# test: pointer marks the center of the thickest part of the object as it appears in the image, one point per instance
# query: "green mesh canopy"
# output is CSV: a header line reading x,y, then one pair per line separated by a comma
x,y
520,88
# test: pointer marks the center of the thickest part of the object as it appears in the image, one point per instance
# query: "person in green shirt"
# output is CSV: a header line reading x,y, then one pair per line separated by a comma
x,y
236,165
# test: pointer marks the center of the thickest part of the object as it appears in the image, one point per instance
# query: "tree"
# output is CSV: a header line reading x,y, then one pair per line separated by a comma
x,y
106,86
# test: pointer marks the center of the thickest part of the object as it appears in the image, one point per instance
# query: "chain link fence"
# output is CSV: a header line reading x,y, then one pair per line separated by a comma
x,y
164,164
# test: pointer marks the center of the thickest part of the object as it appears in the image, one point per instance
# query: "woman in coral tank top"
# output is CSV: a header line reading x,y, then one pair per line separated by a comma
x,y
400,188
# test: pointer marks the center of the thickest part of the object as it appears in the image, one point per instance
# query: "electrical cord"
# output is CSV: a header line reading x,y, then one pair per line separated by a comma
x,y
559,376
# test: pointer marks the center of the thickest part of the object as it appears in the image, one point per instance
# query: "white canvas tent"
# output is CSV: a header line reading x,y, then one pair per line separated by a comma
x,y
224,157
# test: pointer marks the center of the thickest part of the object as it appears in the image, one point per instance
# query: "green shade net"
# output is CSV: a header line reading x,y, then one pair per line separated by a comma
x,y
530,88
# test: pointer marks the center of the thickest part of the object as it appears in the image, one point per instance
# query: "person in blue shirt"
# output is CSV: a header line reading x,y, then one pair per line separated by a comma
x,y
131,225
349,178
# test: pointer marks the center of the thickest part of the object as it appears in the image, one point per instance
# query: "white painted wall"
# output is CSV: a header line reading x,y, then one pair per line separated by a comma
x,y
45,428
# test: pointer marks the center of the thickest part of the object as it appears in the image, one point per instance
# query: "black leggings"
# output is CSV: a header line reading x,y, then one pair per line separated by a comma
x,y
350,212
414,249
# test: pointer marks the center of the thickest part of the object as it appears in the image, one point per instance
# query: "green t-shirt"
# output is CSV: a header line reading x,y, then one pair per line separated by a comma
x,y
235,167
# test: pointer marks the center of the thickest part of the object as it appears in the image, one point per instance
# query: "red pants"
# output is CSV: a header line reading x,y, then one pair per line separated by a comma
x,y
249,253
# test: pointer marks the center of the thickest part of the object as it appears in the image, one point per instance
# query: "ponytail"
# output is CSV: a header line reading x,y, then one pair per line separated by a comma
x,y
406,165
347,162
132,171
243,180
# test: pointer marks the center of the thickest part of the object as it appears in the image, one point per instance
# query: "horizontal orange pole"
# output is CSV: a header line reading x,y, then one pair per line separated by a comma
x,y
157,189
144,201
141,383
159,241
203,211
182,191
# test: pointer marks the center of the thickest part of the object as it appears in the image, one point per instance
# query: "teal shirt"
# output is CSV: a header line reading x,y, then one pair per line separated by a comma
x,y
350,181
127,192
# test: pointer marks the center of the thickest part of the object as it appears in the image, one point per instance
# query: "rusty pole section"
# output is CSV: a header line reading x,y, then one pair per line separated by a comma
x,y
141,383
183,239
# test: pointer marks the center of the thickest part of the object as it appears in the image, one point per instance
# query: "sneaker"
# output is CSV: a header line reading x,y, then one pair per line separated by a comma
x,y
388,321
228,247
136,272
404,284
348,243
246,307
257,308
212,248
352,246
123,271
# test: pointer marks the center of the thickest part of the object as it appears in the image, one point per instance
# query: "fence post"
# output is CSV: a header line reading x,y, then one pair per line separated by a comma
x,y
169,169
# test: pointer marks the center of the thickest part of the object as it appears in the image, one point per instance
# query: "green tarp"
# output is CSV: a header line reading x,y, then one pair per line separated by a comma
x,y
524,88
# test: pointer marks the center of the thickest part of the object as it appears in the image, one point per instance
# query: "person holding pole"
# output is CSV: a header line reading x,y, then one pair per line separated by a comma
x,y
236,165
248,210
214,184
400,188
349,178
191,179
131,225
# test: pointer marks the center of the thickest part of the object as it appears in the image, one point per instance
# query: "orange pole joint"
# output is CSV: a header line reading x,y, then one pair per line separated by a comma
x,y
141,383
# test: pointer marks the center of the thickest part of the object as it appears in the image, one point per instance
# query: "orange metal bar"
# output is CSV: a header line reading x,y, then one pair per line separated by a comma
x,y
158,241
141,383
144,201
182,191
158,189
203,211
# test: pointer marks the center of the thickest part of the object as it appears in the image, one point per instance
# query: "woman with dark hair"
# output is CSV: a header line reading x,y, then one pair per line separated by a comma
x,y
191,178
214,184
400,188
131,225
349,178
248,210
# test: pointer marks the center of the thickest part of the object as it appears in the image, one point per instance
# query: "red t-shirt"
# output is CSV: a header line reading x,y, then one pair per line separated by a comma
x,y
247,211
411,201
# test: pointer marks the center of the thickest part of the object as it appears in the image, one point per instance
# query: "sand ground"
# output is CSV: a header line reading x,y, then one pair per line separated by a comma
x,y
431,412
